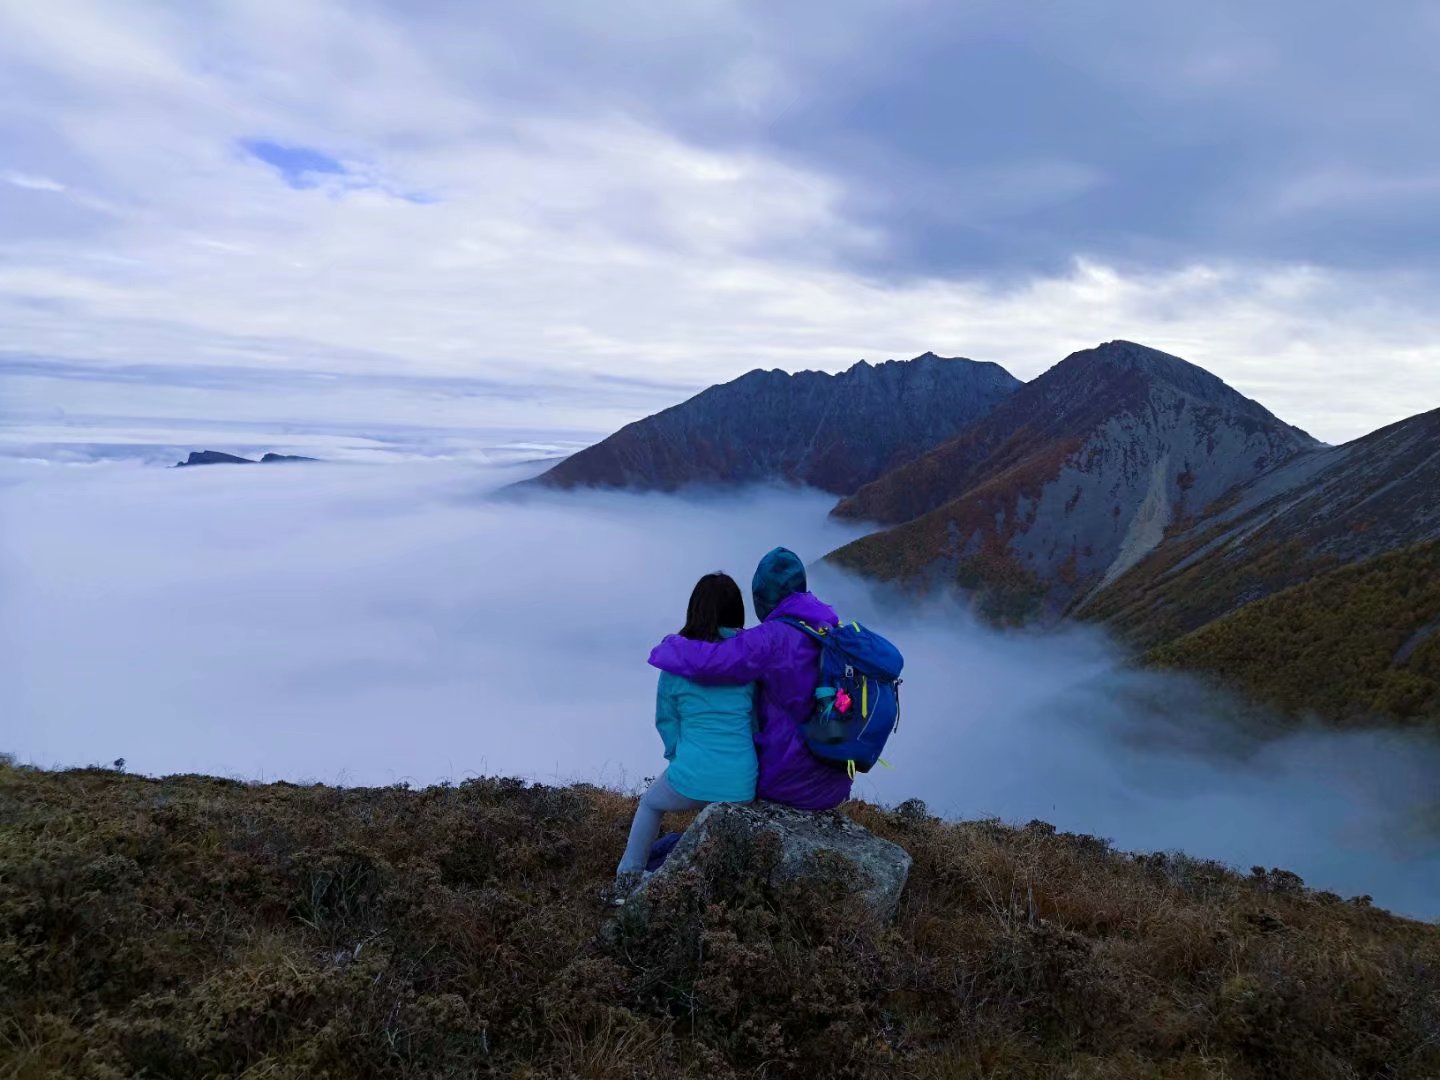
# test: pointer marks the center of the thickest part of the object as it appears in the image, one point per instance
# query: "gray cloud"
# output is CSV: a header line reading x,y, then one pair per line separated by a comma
x,y
369,624
992,138
680,197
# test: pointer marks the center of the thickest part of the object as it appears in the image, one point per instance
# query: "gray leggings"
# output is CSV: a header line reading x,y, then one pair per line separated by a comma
x,y
659,800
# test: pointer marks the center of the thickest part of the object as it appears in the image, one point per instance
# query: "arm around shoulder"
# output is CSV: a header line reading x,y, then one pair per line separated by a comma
x,y
740,659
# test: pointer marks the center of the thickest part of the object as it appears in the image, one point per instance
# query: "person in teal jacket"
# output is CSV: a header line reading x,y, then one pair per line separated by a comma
x,y
708,731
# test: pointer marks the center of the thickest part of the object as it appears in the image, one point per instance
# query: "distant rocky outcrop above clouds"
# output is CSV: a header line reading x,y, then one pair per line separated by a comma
x,y
217,457
833,432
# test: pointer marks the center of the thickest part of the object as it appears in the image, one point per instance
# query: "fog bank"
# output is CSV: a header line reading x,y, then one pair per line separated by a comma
x,y
362,623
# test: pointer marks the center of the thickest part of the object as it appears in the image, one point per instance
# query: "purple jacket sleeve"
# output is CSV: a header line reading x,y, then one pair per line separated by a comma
x,y
740,659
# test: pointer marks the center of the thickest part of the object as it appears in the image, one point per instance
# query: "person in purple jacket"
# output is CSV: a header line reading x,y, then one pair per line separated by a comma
x,y
785,662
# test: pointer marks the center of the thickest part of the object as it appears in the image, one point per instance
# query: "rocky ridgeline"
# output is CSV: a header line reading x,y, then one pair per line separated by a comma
x,y
1070,482
217,457
832,432
1332,507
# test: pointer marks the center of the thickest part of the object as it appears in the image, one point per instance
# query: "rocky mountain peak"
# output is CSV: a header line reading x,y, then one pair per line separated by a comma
x,y
1126,358
1122,359
1070,481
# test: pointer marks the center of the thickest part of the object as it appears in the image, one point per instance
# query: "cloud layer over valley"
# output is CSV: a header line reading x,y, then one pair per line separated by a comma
x,y
370,624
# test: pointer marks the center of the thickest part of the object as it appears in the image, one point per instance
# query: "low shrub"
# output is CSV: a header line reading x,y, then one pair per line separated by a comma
x,y
193,927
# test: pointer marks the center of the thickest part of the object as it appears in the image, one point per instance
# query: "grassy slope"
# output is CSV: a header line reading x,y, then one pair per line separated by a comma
x,y
193,927
1331,645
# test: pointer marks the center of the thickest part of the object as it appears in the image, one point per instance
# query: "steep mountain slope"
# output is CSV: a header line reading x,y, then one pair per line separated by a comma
x,y
1338,506
1353,645
834,432
1069,483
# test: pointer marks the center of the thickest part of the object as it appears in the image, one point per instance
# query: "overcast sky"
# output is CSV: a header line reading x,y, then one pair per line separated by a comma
x,y
551,197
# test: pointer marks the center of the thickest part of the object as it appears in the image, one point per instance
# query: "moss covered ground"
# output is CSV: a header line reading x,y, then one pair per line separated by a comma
x,y
197,927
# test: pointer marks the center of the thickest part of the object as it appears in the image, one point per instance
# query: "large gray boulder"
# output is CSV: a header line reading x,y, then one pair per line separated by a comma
x,y
805,841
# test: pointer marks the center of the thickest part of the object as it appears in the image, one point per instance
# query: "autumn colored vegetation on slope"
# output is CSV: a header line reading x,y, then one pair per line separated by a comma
x,y
197,927
1357,645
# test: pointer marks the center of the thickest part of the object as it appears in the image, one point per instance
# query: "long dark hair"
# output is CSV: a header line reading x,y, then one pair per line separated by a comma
x,y
716,602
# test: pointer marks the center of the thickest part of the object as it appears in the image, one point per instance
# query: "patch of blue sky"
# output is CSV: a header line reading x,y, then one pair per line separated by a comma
x,y
298,166
304,168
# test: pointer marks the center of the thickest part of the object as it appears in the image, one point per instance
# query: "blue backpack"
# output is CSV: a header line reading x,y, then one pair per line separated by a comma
x,y
857,704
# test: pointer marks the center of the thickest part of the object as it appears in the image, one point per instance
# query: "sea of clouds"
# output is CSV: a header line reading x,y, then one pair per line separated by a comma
x,y
370,623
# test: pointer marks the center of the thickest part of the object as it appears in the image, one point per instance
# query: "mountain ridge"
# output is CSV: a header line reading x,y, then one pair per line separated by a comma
x,y
220,457
830,431
1068,482
1080,390
1336,506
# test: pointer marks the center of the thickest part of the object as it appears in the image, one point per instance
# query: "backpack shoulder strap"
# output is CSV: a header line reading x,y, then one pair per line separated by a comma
x,y
818,633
